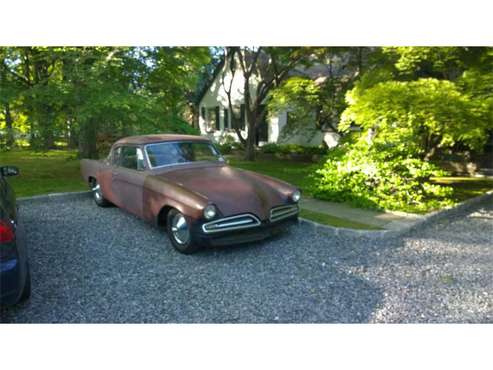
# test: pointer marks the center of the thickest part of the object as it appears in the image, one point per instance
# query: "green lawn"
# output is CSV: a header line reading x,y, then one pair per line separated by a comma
x,y
322,218
44,172
466,187
58,171
296,173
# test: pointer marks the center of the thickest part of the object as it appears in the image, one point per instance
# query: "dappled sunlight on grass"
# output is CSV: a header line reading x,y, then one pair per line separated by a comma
x,y
296,173
58,171
44,172
335,221
466,187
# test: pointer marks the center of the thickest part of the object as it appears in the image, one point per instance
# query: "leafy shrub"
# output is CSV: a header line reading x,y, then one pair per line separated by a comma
x,y
228,145
224,148
270,148
371,178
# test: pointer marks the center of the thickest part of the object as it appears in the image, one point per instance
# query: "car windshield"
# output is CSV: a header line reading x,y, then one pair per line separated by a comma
x,y
165,154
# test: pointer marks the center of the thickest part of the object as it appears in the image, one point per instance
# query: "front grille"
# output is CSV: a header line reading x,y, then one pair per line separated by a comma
x,y
231,223
279,213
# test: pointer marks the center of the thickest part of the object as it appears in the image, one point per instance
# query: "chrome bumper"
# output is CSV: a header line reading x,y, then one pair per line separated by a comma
x,y
248,220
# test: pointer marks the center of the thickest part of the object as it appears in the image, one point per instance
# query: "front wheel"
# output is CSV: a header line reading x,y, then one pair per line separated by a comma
x,y
178,229
97,194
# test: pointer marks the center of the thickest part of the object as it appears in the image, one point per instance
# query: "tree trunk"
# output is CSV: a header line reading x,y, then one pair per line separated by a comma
x,y
251,122
87,140
45,124
8,125
194,108
72,135
431,146
430,154
250,147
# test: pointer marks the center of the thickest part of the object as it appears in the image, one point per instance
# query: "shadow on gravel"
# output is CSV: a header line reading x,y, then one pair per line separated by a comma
x,y
103,265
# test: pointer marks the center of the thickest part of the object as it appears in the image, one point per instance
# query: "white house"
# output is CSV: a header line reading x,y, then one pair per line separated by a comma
x,y
215,116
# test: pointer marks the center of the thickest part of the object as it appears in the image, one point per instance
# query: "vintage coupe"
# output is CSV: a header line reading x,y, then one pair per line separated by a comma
x,y
182,183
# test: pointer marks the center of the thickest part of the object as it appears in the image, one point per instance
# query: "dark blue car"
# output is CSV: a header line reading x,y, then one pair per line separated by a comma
x,y
15,279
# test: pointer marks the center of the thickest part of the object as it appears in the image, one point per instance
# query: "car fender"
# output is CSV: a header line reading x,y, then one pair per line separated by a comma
x,y
159,193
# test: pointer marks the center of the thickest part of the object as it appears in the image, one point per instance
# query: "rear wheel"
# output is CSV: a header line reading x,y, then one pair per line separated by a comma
x,y
97,194
178,229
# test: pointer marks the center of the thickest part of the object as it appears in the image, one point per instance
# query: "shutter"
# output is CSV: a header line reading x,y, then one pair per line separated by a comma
x,y
203,113
226,119
218,124
263,128
242,117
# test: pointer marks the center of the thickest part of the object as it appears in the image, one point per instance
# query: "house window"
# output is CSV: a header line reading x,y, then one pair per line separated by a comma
x,y
217,123
212,122
226,119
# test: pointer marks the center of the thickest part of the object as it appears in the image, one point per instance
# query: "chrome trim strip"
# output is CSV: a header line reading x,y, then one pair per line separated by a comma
x,y
282,212
222,224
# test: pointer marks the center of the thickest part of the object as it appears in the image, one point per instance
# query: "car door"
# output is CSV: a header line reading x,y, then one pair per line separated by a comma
x,y
105,174
128,179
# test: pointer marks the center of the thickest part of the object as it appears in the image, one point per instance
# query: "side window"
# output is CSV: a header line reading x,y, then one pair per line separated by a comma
x,y
140,160
132,157
115,159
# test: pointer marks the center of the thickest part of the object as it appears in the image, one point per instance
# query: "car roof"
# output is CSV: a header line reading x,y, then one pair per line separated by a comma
x,y
149,139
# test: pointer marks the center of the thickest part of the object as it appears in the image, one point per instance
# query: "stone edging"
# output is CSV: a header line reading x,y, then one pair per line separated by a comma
x,y
426,219
55,197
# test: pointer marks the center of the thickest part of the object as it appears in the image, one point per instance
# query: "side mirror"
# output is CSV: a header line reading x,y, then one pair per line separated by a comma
x,y
9,171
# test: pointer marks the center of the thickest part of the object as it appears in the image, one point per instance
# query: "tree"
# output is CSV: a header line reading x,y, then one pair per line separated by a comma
x,y
9,95
412,106
405,107
318,100
418,117
263,69
206,73
80,94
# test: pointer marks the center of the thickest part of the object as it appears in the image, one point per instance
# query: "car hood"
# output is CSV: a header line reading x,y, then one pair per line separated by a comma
x,y
232,190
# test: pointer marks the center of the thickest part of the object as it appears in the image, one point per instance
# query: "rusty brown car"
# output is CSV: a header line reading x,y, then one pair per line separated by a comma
x,y
183,183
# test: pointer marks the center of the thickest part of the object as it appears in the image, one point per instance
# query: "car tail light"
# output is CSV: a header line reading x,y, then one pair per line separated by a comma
x,y
6,232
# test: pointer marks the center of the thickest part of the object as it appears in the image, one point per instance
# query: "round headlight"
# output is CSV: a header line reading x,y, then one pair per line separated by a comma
x,y
209,212
296,196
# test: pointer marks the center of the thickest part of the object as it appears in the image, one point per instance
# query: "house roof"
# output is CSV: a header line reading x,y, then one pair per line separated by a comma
x,y
313,72
263,58
206,86
318,71
149,139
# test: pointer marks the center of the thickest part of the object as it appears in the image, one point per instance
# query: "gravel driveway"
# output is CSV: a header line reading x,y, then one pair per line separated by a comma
x,y
104,265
